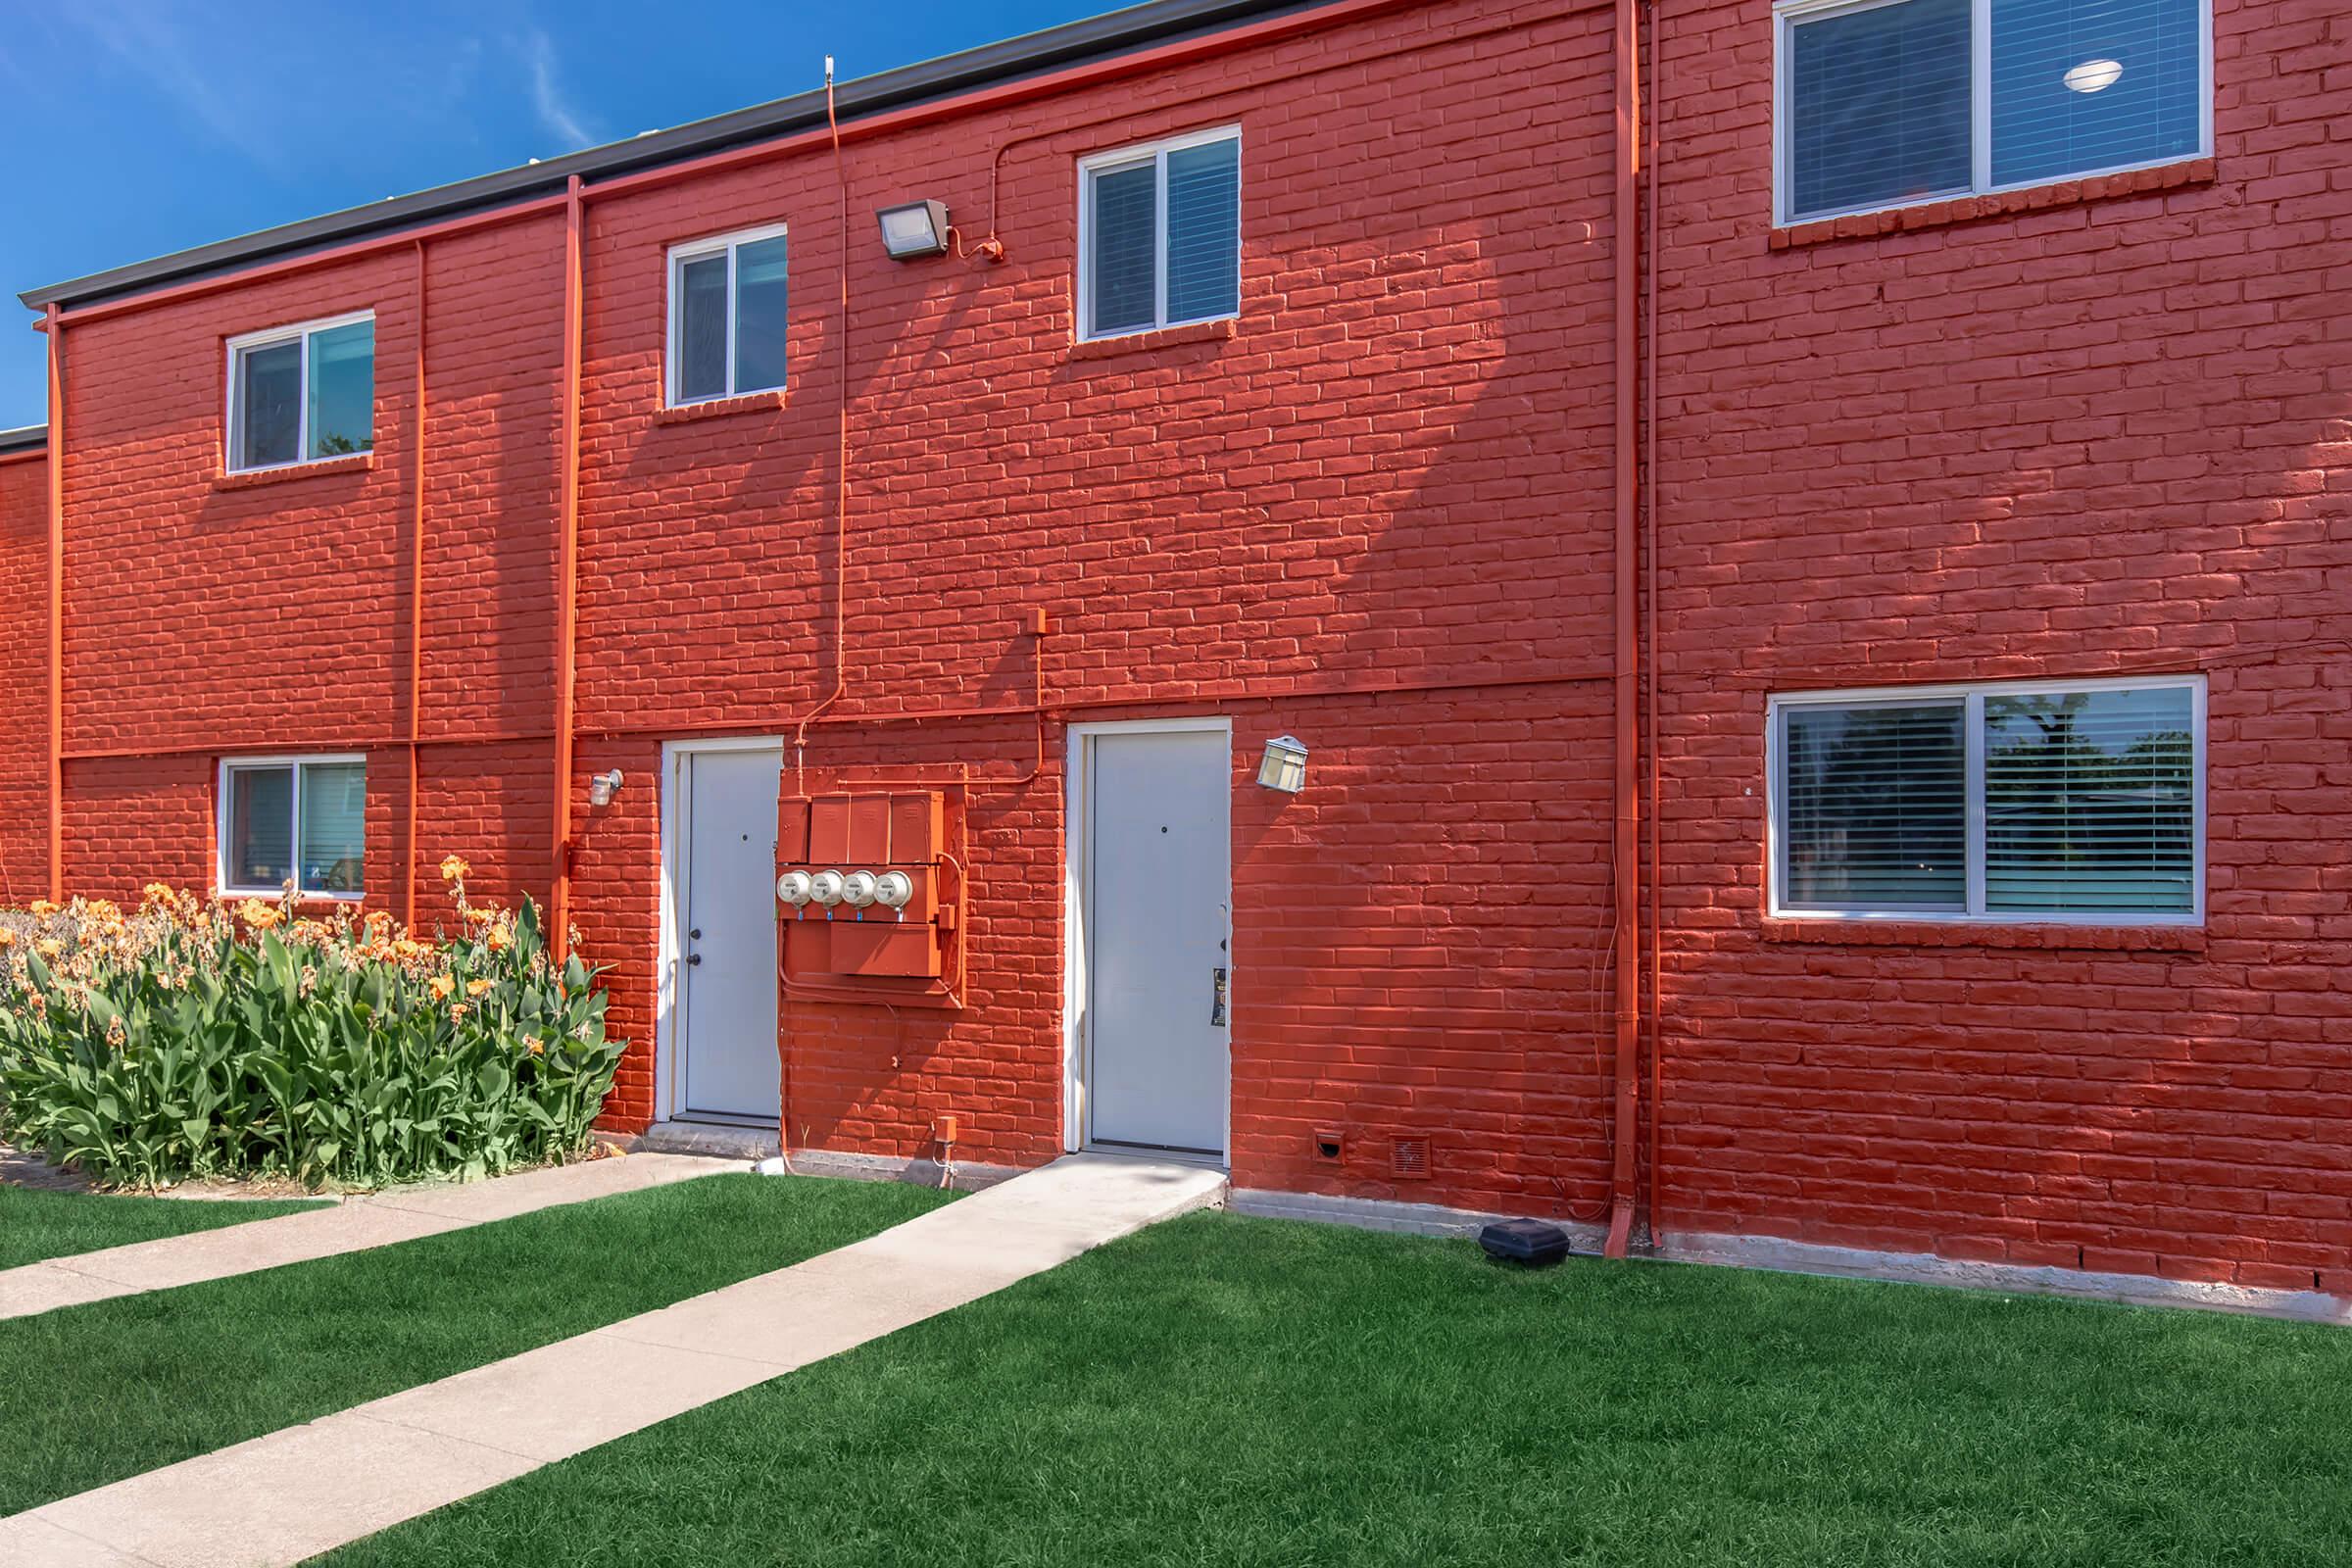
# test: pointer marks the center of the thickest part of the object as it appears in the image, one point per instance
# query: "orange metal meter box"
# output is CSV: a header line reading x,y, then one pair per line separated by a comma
x,y
858,887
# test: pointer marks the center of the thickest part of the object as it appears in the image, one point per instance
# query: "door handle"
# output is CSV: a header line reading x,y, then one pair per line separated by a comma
x,y
1216,998
694,958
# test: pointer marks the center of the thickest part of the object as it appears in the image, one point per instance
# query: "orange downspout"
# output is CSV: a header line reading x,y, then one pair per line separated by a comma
x,y
407,915
1625,850
57,607
567,560
1649,556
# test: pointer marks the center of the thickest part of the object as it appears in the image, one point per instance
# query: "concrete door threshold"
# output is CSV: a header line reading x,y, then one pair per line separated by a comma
x,y
294,1494
400,1214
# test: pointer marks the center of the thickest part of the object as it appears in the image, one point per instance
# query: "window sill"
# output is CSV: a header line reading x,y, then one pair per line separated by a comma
x,y
1161,337
2000,204
1985,933
771,402
246,479
277,896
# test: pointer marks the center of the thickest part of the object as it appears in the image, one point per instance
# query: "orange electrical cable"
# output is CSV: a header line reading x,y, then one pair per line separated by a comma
x,y
840,455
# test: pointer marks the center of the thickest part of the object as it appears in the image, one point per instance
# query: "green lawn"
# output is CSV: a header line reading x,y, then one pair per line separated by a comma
x,y
92,1394
1224,1391
36,1224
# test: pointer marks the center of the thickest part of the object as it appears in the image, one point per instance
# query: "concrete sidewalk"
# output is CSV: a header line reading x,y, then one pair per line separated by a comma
x,y
294,1494
401,1216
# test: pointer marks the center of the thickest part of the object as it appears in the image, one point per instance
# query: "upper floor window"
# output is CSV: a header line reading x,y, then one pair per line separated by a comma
x,y
2079,801
293,819
297,394
726,315
1887,101
1159,234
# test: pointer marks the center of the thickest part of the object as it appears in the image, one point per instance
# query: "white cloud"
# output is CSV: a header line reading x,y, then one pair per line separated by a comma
x,y
547,95
154,45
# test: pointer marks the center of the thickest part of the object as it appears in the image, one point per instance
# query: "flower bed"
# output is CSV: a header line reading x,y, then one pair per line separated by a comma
x,y
186,1039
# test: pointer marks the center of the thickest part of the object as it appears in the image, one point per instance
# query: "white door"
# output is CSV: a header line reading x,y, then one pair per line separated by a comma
x,y
727,938
1157,934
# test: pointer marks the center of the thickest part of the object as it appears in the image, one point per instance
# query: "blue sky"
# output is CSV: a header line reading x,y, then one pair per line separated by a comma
x,y
136,128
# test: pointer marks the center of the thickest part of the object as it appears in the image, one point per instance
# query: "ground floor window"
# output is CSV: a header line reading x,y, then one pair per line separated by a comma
x,y
2079,801
293,819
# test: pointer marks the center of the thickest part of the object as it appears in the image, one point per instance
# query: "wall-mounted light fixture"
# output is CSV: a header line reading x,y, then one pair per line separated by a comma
x,y
914,230
1284,767
602,787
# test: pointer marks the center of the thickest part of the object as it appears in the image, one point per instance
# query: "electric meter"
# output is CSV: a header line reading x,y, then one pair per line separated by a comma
x,y
857,889
825,888
792,888
894,890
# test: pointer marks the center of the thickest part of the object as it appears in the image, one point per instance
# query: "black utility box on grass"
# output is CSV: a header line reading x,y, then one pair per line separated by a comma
x,y
1524,1241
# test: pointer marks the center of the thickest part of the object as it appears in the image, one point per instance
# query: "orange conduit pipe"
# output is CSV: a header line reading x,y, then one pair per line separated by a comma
x,y
407,915
567,574
1626,848
841,458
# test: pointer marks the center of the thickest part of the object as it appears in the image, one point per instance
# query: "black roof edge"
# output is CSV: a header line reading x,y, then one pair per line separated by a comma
x,y
24,438
1091,38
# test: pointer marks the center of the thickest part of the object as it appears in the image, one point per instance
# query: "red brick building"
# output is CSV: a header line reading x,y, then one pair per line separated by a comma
x,y
1816,590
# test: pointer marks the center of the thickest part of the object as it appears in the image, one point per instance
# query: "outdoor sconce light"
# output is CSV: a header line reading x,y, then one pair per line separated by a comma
x,y
914,230
1284,767
602,787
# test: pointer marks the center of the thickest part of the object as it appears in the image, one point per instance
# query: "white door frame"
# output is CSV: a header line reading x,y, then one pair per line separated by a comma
x,y
669,1027
1076,774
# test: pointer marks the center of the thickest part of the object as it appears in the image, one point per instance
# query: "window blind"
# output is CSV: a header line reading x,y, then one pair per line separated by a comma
x,y
1204,227
1879,100
335,805
702,330
2090,802
1874,802
1124,233
261,825
2087,84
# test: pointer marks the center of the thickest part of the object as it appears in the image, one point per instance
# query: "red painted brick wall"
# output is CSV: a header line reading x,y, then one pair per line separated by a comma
x,y
2103,437
1373,516
2091,436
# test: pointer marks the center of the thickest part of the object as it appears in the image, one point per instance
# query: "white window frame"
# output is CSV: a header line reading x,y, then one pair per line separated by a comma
x,y
1788,15
1155,153
268,337
1972,697
695,250
223,858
